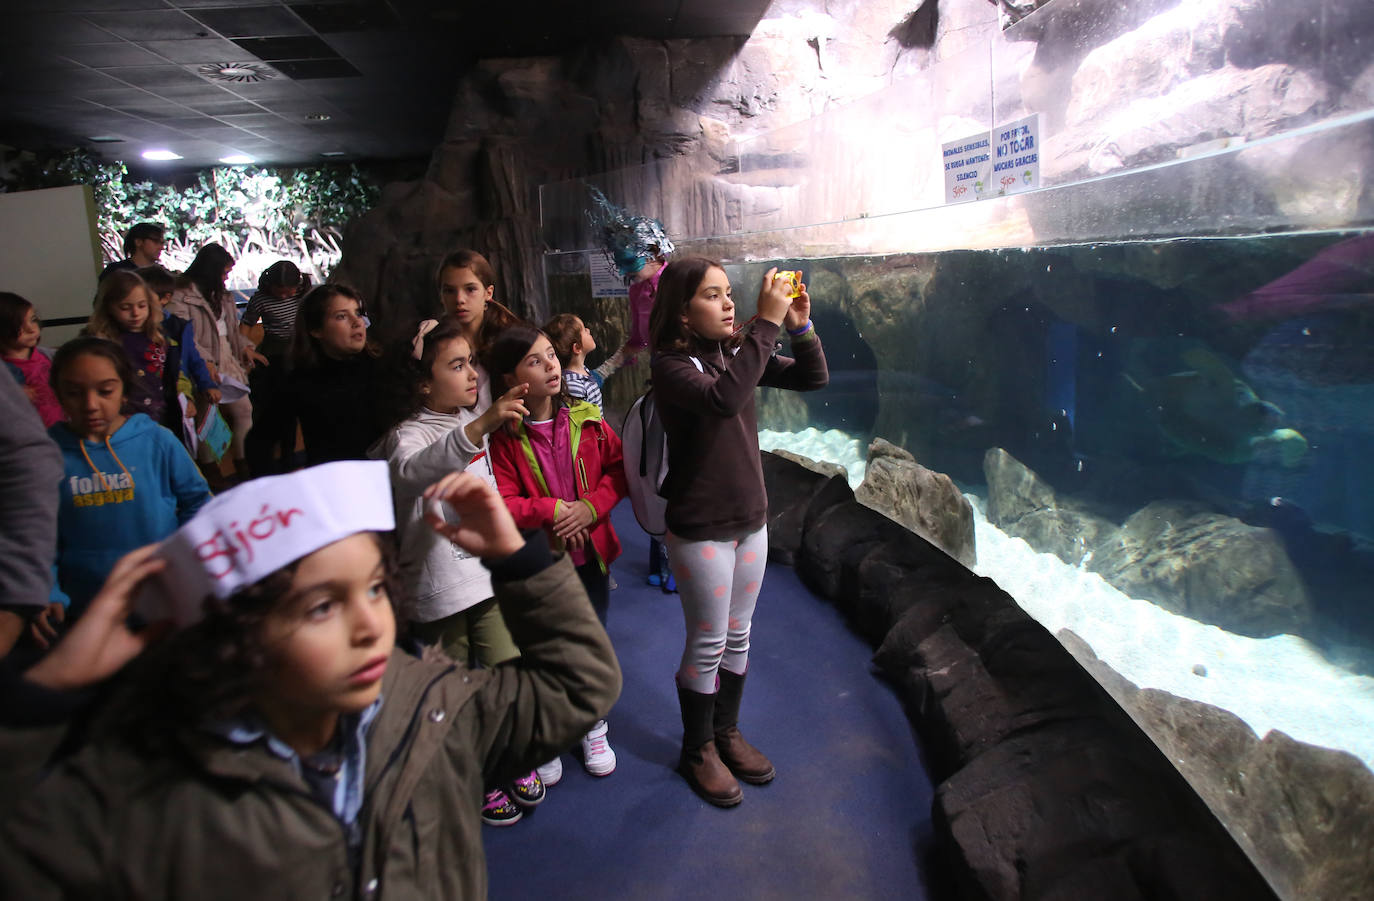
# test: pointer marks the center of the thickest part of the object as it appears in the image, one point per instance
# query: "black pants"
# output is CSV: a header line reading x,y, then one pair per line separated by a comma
x,y
598,586
274,420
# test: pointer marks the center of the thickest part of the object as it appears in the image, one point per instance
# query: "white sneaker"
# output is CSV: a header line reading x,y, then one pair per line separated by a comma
x,y
597,756
551,772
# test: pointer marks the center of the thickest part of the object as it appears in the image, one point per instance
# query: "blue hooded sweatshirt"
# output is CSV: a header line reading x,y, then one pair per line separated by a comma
x,y
135,488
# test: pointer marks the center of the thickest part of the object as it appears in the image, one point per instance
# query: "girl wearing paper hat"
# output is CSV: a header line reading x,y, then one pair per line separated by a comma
x,y
281,746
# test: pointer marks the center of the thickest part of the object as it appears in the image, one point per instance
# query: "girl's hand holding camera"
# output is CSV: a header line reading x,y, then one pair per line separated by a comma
x,y
485,527
800,312
774,302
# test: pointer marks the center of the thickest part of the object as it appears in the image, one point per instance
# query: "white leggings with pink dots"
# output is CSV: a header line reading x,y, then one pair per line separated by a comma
x,y
718,582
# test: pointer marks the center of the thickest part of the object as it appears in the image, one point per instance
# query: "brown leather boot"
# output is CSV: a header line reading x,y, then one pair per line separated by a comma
x,y
699,764
743,759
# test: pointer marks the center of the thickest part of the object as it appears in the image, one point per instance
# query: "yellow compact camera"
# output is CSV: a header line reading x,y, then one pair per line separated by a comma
x,y
793,277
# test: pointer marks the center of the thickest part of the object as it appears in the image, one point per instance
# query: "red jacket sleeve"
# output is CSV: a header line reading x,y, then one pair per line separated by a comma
x,y
611,486
517,484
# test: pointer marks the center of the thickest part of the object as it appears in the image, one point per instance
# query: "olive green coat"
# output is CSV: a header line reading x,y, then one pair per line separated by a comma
x,y
226,821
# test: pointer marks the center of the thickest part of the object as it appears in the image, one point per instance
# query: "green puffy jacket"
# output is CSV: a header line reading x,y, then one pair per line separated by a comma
x,y
226,821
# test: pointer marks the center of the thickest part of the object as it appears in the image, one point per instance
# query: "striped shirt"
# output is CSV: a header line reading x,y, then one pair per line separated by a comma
x,y
278,316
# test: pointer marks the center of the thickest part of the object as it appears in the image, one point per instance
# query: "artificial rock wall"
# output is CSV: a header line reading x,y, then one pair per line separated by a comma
x,y
520,123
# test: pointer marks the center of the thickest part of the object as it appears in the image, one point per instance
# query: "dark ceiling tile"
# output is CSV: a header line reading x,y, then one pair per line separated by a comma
x,y
148,25
196,50
304,69
355,45
360,15
104,56
252,21
272,49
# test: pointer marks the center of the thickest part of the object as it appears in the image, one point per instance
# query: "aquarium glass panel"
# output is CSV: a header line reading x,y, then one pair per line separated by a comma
x,y
1151,377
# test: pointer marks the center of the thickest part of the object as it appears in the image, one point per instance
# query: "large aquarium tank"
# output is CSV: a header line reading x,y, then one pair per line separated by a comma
x,y
1147,362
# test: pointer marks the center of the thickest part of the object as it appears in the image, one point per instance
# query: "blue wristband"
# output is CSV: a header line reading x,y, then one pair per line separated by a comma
x,y
798,332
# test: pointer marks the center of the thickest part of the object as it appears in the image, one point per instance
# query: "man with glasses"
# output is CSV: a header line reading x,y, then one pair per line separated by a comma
x,y
143,244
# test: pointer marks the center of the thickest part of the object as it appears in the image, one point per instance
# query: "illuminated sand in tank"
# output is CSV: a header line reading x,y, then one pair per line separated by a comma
x,y
1281,683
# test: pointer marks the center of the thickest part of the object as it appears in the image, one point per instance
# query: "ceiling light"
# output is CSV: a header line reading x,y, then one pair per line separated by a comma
x,y
319,117
332,153
237,73
160,155
236,160
104,139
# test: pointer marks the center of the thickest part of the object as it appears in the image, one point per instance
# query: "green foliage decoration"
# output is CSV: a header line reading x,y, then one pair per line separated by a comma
x,y
256,213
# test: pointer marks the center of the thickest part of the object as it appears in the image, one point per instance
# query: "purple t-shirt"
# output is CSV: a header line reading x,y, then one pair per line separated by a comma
x,y
551,442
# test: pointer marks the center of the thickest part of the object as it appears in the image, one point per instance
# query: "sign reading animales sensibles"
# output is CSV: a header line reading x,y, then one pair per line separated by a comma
x,y
1003,161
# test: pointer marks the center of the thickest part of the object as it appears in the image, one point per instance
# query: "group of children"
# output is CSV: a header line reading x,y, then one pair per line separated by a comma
x,y
491,432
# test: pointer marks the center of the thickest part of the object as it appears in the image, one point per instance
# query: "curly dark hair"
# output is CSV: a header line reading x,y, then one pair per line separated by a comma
x,y
209,671
401,396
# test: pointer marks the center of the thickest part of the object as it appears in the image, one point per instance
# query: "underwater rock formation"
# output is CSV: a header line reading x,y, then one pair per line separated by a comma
x,y
1301,811
823,467
1178,554
926,502
1208,567
1021,503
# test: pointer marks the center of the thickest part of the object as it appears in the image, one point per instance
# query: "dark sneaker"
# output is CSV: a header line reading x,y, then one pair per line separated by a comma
x,y
500,810
528,790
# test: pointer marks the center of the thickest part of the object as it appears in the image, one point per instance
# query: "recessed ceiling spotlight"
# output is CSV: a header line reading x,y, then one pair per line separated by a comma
x,y
237,73
237,159
104,139
160,155
318,117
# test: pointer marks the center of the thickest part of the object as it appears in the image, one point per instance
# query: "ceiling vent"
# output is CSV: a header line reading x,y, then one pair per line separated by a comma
x,y
236,73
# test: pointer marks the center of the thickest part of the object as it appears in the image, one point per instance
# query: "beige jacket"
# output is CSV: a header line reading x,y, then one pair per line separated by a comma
x,y
226,352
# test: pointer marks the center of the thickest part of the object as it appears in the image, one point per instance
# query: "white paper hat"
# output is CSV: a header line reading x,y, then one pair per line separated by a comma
x,y
257,528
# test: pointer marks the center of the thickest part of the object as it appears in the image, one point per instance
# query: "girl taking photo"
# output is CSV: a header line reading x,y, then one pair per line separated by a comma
x,y
705,371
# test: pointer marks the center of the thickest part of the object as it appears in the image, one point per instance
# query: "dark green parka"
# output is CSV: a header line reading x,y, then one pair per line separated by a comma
x,y
216,820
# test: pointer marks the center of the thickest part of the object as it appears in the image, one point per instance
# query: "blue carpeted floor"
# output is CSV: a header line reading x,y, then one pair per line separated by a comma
x,y
848,815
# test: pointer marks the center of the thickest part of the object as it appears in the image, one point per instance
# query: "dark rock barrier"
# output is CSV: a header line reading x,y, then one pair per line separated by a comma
x,y
1046,788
